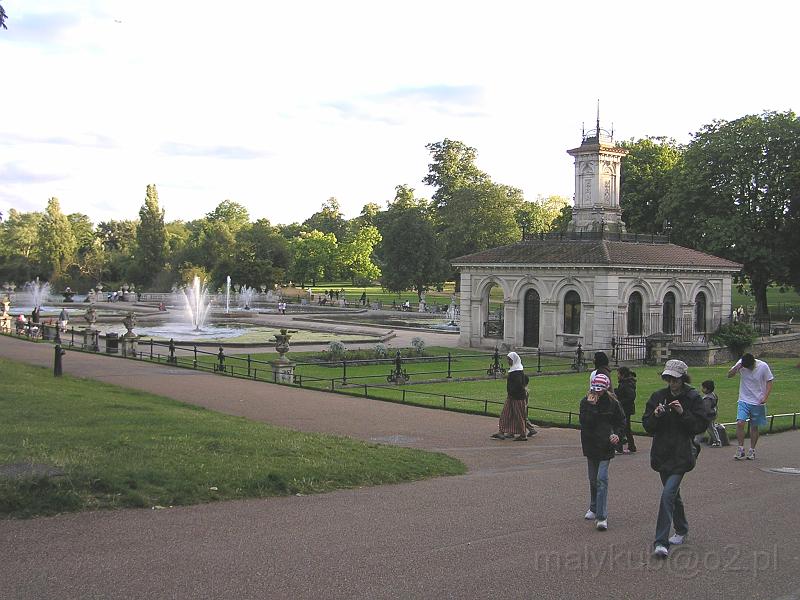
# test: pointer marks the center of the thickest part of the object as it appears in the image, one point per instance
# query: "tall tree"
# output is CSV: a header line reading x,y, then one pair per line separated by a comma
x,y
413,256
328,219
733,195
117,235
151,236
540,215
472,212
356,256
83,230
262,255
20,234
645,179
453,168
231,214
314,254
56,241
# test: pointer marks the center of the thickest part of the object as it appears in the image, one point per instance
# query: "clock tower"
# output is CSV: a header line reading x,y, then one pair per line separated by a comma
x,y
597,169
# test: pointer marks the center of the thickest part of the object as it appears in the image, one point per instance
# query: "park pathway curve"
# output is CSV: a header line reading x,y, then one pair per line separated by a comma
x,y
511,527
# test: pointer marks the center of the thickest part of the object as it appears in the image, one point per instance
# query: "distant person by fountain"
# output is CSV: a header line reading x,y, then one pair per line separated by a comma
x,y
63,319
246,297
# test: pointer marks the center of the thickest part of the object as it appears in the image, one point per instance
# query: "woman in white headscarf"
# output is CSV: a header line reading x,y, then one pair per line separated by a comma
x,y
513,417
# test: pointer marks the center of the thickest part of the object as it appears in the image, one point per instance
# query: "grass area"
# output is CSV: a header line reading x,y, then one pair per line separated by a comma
x,y
787,301
124,448
564,392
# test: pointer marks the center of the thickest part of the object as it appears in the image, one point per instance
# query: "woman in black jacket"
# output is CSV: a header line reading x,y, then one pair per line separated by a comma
x,y
626,394
674,415
602,420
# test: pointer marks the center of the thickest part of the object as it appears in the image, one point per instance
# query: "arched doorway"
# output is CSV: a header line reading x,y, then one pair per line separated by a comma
x,y
531,329
700,313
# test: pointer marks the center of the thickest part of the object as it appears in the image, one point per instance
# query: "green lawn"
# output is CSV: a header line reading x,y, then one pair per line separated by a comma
x,y
124,448
564,392
787,301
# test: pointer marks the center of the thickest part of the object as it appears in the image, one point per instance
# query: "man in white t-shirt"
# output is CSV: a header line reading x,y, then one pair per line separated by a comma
x,y
755,385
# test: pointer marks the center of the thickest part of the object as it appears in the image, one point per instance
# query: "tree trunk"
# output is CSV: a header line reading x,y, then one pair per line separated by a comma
x,y
760,294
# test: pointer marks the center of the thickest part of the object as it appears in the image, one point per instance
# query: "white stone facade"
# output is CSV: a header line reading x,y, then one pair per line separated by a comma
x,y
605,299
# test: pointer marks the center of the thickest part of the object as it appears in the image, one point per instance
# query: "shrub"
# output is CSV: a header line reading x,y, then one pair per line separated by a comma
x,y
337,350
380,351
736,336
419,345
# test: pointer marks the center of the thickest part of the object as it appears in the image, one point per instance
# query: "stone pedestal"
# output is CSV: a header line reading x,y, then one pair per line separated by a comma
x,y
91,339
658,348
282,370
128,344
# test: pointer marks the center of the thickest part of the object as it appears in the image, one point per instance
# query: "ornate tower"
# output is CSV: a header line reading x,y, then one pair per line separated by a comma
x,y
597,166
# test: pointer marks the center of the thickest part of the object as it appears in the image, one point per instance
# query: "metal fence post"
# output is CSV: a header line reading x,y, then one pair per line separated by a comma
x,y
449,365
248,365
344,371
195,357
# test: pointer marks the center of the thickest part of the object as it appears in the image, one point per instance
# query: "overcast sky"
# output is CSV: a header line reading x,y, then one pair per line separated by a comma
x,y
279,106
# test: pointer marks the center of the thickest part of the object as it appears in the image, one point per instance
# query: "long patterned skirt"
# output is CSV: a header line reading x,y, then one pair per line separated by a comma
x,y
512,418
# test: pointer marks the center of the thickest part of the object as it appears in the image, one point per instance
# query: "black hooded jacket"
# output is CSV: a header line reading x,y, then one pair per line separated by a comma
x,y
672,450
626,394
598,422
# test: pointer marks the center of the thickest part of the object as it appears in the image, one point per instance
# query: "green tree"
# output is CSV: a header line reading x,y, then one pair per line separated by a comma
x,y
453,168
3,17
262,255
118,235
328,219
56,241
314,253
356,256
645,180
733,195
151,237
20,234
83,230
540,215
479,217
230,213
472,212
413,257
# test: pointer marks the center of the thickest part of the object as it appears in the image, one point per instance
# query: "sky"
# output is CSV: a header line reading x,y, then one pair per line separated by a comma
x,y
281,106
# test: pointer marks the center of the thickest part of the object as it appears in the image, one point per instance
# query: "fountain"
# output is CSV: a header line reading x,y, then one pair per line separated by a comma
x,y
197,303
246,295
38,291
228,295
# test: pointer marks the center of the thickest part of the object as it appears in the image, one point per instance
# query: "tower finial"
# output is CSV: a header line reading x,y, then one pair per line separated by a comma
x,y
598,118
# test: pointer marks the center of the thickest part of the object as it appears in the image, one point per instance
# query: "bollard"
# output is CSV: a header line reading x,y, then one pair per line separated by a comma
x,y
57,371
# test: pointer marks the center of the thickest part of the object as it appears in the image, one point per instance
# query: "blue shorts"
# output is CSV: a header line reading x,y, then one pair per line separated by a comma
x,y
757,413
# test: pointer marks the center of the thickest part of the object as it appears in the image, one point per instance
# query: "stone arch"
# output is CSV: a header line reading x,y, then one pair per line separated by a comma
x,y
560,290
676,287
488,282
644,287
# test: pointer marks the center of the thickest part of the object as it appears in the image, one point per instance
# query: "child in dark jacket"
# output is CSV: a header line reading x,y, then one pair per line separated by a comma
x,y
602,420
626,394
710,402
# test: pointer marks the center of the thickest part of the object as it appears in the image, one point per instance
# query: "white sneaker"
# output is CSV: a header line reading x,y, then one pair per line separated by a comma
x,y
739,454
752,454
661,551
589,516
601,524
677,539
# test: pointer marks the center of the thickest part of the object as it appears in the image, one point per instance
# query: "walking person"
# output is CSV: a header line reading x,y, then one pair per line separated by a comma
x,y
626,394
755,386
513,418
710,402
602,420
674,415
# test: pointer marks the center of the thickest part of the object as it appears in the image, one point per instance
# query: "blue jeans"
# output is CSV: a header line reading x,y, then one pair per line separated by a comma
x,y
670,509
598,487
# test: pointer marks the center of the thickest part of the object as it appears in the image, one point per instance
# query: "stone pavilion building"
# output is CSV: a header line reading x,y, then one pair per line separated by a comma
x,y
595,285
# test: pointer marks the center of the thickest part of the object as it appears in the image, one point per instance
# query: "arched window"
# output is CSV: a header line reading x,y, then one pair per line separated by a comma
x,y
668,314
700,312
635,314
572,312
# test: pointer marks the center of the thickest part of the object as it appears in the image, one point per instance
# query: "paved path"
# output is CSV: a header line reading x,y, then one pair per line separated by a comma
x,y
511,527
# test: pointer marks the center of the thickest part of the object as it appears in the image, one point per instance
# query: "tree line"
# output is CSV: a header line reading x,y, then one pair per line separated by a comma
x,y
405,245
733,190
